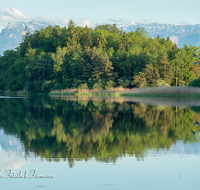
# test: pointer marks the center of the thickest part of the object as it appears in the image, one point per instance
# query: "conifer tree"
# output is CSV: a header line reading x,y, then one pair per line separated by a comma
x,y
148,77
165,69
125,43
101,40
72,43
58,58
25,42
103,68
87,40
71,26
73,38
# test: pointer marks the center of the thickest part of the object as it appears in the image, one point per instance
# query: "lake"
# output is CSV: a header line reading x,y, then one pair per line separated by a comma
x,y
99,143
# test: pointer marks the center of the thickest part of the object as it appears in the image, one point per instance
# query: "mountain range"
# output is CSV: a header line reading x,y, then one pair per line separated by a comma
x,y
179,34
11,36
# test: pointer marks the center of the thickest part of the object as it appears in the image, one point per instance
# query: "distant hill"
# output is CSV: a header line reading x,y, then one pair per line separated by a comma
x,y
11,36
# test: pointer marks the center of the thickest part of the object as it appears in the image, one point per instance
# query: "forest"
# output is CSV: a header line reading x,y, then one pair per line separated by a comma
x,y
103,57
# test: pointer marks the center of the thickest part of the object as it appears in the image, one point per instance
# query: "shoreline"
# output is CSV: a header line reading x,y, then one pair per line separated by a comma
x,y
154,92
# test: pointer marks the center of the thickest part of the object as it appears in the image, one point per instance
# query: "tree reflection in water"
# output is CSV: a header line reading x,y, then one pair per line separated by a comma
x,y
76,129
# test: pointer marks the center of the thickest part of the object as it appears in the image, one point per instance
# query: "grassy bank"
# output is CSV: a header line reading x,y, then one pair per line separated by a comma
x,y
162,95
21,93
91,92
172,92
181,91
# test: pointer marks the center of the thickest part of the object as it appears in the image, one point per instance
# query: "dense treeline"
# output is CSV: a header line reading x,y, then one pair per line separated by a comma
x,y
82,129
103,57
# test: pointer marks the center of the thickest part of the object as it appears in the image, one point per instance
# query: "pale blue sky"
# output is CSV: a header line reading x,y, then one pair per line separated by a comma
x,y
104,11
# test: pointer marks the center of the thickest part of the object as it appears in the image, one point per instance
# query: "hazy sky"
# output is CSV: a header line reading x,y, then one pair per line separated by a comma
x,y
105,11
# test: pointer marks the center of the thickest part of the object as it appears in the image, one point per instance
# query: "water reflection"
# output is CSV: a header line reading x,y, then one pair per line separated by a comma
x,y
81,129
196,123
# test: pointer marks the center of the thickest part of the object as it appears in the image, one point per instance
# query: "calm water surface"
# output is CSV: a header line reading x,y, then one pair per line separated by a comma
x,y
99,143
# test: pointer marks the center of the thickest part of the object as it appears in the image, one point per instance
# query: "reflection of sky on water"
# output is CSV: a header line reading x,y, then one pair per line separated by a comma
x,y
179,148
12,154
10,142
163,172
176,168
11,160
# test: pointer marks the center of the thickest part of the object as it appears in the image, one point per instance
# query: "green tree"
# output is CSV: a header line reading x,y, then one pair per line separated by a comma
x,y
87,39
58,59
125,43
73,38
149,77
103,68
165,69
101,40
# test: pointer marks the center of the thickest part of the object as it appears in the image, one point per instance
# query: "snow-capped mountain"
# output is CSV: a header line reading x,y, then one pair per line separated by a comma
x,y
11,36
179,34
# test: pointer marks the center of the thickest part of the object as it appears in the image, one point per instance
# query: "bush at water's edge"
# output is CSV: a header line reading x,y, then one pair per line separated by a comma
x,y
195,83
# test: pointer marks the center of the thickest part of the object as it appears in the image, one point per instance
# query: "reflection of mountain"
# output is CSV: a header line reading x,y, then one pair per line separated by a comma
x,y
83,129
